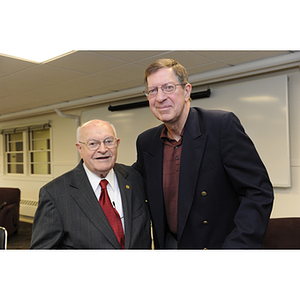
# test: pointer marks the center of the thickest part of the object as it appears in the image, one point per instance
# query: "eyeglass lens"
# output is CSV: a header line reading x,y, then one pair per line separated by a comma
x,y
108,143
166,88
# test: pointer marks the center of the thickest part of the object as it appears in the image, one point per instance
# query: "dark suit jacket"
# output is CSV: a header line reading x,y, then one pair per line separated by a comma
x,y
69,215
225,195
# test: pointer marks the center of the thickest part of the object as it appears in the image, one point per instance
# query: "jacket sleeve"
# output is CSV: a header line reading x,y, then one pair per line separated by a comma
x,y
47,230
138,165
249,177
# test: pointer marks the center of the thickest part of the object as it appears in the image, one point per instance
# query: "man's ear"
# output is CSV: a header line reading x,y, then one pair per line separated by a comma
x,y
78,147
187,91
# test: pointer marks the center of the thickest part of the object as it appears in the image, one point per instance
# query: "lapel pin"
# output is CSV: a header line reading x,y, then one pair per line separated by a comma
x,y
127,187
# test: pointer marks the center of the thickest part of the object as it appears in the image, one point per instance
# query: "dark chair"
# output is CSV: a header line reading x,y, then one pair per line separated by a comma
x,y
283,233
10,209
3,238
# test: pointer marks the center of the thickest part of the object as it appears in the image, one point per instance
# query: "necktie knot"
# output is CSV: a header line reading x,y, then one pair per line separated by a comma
x,y
103,183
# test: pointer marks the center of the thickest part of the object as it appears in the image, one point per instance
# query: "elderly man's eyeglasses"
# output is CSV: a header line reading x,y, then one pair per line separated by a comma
x,y
167,88
94,145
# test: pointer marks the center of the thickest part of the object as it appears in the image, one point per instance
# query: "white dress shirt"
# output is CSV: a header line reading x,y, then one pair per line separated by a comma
x,y
112,189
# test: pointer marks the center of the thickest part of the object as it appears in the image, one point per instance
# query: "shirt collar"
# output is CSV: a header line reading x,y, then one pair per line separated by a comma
x,y
164,135
95,179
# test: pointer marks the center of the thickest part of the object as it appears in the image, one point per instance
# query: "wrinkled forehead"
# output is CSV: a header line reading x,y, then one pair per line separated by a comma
x,y
162,76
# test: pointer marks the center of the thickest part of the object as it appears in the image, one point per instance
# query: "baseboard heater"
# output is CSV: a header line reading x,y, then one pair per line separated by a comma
x,y
28,208
196,95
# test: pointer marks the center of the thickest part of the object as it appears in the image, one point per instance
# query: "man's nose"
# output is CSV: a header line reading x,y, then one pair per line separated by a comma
x,y
160,95
102,148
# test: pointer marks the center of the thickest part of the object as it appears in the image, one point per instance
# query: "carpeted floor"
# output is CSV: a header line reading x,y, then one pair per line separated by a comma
x,y
21,239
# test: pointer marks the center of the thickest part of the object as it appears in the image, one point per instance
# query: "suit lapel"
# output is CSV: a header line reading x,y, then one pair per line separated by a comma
x,y
192,151
154,169
83,194
125,187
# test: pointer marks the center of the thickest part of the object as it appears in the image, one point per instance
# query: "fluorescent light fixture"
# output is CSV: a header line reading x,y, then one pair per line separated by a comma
x,y
34,55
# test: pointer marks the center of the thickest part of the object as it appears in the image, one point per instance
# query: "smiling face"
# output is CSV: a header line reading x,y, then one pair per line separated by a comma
x,y
102,160
169,108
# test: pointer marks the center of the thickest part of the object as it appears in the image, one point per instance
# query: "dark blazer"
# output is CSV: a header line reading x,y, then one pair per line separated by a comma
x,y
225,196
69,215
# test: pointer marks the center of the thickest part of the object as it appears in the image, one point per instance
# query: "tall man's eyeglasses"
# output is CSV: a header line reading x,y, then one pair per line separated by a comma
x,y
94,145
167,88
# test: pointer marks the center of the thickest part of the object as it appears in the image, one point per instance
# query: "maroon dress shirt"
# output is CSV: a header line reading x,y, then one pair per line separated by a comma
x,y
171,168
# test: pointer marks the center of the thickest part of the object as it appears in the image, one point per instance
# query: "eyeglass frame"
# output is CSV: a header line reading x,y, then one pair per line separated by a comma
x,y
146,92
99,143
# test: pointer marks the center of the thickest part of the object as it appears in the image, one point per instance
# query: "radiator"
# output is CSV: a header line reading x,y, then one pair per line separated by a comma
x,y
28,208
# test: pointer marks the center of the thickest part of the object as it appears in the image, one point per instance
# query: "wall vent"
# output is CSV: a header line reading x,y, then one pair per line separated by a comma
x,y
29,203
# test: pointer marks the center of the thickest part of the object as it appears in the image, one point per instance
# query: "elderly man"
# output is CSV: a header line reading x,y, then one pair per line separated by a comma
x,y
98,205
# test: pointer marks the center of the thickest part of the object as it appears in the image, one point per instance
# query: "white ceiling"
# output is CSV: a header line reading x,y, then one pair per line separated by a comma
x,y
26,85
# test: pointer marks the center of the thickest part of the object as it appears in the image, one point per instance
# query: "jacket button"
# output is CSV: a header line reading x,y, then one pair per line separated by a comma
x,y
203,193
205,222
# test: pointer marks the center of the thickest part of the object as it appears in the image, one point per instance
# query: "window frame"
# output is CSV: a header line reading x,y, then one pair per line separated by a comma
x,y
7,152
32,151
27,135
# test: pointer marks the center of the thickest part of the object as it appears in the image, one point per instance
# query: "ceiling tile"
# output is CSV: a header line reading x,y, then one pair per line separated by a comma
x,y
88,83
130,56
126,85
52,74
186,58
206,67
251,56
86,61
220,55
22,82
10,65
125,72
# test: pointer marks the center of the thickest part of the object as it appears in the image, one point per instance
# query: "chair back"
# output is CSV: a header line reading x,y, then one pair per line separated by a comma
x,y
283,233
3,238
10,209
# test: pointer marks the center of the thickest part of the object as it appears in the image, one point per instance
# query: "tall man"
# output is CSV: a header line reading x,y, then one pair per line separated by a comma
x,y
71,213
207,187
